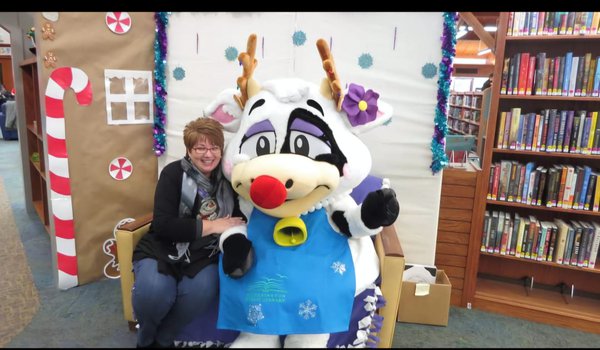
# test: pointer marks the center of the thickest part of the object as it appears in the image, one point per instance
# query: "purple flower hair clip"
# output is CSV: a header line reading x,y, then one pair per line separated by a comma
x,y
360,106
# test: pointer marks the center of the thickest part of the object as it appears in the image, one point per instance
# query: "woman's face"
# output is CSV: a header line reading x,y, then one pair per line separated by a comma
x,y
205,155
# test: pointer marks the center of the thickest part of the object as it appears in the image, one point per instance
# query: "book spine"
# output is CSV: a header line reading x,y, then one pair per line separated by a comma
x,y
595,246
530,75
587,204
505,74
567,73
523,71
579,78
596,88
586,73
573,75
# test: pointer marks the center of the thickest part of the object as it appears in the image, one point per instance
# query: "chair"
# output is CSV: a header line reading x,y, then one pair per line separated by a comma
x,y
387,245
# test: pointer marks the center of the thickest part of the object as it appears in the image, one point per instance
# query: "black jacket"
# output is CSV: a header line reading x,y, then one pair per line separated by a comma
x,y
167,229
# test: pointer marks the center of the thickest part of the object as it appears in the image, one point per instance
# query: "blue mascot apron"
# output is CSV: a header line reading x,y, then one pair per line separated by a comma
x,y
303,289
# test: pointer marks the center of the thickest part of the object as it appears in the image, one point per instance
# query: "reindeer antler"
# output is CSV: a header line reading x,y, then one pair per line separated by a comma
x,y
248,63
332,81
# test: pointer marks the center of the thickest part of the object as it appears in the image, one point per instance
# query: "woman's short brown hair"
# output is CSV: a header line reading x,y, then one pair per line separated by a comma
x,y
203,128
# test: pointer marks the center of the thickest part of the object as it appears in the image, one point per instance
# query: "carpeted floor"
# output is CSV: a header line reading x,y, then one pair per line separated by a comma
x,y
20,299
90,316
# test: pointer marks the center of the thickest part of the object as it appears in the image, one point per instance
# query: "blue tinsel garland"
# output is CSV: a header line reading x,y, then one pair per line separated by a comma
x,y
160,85
440,159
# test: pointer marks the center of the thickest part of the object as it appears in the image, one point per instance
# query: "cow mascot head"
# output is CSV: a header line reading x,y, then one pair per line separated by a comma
x,y
306,251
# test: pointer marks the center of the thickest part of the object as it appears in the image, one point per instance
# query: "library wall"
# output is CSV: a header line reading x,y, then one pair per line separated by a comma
x,y
380,51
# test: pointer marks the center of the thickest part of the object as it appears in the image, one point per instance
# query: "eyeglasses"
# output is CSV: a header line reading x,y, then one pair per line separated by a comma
x,y
202,150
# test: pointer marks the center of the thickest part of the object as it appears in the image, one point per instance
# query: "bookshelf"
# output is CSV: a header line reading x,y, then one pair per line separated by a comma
x,y
464,112
34,141
537,290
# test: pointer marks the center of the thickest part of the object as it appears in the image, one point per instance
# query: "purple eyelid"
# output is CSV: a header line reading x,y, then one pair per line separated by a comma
x,y
259,127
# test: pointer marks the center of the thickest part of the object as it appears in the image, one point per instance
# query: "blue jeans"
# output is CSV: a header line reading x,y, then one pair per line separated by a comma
x,y
164,306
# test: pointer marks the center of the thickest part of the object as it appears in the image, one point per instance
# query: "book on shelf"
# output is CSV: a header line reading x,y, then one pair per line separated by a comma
x,y
570,22
583,246
541,21
556,86
582,115
589,232
512,182
509,27
568,186
485,235
545,76
569,244
542,242
561,240
576,241
512,245
596,205
589,196
561,73
552,241
504,80
546,120
537,134
521,176
529,240
523,71
590,79
521,232
592,132
499,232
595,245
493,231
586,134
506,231
539,74
561,185
562,117
568,131
595,22
584,187
596,88
515,123
530,75
586,73
567,73
526,195
573,75
579,78
580,173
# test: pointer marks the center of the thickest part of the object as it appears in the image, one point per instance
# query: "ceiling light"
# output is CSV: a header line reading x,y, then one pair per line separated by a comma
x,y
460,60
484,51
490,28
461,33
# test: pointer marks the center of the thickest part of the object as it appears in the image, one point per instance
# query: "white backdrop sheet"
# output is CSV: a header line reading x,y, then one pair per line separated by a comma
x,y
400,44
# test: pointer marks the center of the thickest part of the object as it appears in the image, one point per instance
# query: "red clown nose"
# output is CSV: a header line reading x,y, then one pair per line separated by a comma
x,y
267,192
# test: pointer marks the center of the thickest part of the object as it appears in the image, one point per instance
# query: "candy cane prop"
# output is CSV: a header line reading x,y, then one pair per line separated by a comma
x,y
58,166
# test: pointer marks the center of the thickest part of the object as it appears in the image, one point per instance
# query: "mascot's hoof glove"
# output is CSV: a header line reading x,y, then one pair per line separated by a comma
x,y
238,255
380,208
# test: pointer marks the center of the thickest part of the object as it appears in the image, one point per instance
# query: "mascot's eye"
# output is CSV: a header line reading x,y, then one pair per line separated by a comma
x,y
259,144
307,145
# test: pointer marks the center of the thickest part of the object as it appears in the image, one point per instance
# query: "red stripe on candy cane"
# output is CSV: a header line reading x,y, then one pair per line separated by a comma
x,y
64,228
62,211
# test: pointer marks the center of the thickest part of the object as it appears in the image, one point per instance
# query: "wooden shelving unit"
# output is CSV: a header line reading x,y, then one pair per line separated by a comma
x,y
35,140
464,112
498,283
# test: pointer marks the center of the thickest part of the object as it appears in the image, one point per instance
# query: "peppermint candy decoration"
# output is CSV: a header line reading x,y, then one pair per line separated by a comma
x,y
118,22
120,168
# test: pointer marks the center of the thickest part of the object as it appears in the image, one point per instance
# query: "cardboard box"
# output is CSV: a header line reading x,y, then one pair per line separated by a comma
x,y
431,308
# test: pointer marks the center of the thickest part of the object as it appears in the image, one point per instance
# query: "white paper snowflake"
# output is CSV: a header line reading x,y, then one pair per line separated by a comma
x,y
255,314
307,309
339,267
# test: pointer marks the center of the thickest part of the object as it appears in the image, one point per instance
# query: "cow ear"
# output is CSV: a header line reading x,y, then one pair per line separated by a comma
x,y
384,116
225,110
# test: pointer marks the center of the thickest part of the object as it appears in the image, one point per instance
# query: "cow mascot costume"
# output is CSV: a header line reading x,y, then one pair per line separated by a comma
x,y
292,273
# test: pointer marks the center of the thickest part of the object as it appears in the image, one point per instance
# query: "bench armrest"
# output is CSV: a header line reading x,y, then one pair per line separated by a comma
x,y
391,262
128,236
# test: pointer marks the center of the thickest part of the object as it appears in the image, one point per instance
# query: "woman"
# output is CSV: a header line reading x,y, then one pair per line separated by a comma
x,y
176,263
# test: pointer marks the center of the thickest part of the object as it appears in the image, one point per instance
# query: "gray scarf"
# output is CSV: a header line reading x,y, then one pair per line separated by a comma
x,y
196,182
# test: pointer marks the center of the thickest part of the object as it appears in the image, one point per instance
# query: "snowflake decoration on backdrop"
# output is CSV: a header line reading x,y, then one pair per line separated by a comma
x,y
365,61
307,309
299,38
231,53
178,73
429,70
255,314
339,267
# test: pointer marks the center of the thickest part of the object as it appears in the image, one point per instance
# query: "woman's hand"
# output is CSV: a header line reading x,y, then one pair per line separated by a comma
x,y
220,224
